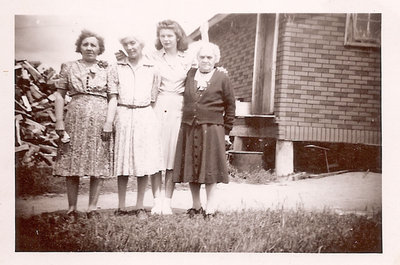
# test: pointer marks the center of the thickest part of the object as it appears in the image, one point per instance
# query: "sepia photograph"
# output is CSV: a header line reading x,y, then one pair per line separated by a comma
x,y
206,135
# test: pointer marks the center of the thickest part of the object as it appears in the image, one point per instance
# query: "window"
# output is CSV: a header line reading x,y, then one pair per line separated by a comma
x,y
363,30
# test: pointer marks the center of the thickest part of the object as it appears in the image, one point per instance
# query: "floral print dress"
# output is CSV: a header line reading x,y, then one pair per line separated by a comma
x,y
86,154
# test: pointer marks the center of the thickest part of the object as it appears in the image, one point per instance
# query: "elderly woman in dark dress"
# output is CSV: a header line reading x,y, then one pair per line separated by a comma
x,y
88,121
208,115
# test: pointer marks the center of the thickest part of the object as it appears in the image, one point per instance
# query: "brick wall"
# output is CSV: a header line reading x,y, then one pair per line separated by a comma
x,y
235,36
324,90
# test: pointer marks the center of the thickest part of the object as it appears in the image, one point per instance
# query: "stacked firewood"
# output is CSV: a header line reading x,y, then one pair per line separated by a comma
x,y
35,136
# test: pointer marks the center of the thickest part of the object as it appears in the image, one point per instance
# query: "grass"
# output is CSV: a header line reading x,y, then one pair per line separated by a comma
x,y
294,231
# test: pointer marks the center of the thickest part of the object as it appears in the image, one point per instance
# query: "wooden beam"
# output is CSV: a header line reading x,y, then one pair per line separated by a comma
x,y
264,64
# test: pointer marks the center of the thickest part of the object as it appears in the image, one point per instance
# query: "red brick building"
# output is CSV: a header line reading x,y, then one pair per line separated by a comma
x,y
306,77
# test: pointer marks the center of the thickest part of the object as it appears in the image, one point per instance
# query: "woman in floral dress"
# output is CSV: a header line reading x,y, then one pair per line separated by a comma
x,y
85,148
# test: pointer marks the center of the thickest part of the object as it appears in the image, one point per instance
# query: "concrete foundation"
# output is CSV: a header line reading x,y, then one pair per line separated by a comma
x,y
284,163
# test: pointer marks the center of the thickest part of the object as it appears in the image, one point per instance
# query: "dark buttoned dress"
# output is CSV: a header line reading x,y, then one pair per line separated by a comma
x,y
207,116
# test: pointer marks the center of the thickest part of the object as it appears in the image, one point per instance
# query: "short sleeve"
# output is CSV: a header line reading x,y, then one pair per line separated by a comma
x,y
112,80
62,82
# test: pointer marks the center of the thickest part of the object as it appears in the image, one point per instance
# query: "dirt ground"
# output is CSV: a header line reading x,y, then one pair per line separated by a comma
x,y
355,192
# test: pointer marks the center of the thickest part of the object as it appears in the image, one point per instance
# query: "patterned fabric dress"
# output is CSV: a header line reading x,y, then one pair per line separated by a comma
x,y
137,132
86,154
169,102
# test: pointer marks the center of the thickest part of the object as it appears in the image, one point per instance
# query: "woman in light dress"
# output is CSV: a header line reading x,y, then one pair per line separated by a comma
x,y
137,132
173,63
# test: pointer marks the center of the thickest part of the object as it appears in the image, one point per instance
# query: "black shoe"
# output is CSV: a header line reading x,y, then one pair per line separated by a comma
x,y
120,212
192,212
208,216
92,214
71,217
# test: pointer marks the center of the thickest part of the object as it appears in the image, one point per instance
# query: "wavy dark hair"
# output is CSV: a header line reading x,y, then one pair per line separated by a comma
x,y
87,34
181,38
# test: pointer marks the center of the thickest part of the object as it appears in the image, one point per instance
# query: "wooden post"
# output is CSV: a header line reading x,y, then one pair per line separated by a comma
x,y
284,163
264,64
204,31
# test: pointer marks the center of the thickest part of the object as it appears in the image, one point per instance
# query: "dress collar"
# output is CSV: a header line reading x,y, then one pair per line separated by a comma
x,y
162,52
142,62
91,69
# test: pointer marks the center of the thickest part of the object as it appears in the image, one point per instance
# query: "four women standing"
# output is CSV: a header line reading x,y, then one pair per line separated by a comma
x,y
146,138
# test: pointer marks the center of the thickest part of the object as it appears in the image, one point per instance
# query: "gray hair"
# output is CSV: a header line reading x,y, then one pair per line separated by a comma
x,y
213,47
133,36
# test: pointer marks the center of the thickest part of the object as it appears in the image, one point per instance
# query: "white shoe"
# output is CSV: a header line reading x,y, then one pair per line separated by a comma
x,y
166,207
157,206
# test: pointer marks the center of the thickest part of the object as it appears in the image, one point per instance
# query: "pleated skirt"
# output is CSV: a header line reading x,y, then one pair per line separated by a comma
x,y
86,154
200,155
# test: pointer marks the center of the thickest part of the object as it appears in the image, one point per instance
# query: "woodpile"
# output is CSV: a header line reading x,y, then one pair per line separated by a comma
x,y
35,136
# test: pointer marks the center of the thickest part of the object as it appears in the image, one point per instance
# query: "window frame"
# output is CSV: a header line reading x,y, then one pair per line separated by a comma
x,y
349,38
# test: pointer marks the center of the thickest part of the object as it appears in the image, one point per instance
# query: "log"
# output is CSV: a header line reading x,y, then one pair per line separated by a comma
x,y
23,113
18,118
34,114
34,73
48,149
26,103
20,148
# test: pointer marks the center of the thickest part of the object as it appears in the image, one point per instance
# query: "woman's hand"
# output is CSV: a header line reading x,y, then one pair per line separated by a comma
x,y
228,142
222,69
120,55
107,131
63,136
60,131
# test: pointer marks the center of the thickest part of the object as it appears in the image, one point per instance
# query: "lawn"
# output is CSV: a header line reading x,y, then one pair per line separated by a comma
x,y
273,230
294,231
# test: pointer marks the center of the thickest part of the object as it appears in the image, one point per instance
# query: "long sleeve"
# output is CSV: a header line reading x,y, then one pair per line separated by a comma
x,y
229,105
